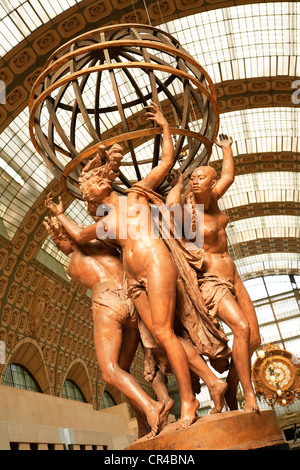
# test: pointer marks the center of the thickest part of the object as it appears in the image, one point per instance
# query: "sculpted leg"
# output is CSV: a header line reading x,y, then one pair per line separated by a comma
x,y
161,290
216,387
231,314
231,392
130,342
246,306
160,387
162,297
245,303
108,341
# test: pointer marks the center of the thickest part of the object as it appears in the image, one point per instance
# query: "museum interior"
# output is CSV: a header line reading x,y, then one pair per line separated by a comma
x,y
52,393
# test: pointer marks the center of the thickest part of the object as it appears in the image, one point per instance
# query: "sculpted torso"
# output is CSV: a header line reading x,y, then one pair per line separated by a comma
x,y
217,260
96,267
130,223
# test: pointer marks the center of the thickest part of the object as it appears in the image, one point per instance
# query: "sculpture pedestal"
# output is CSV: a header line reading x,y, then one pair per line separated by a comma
x,y
232,430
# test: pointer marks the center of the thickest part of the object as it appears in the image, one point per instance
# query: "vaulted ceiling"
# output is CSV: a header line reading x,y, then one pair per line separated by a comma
x,y
250,52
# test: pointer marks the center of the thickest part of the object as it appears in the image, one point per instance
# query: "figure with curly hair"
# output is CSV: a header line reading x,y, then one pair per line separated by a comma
x,y
143,256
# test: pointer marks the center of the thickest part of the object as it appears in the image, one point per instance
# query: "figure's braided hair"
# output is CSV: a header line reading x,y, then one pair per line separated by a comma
x,y
190,199
55,228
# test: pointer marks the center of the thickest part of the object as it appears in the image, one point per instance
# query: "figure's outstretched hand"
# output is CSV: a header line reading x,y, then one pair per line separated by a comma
x,y
224,141
57,209
154,114
175,177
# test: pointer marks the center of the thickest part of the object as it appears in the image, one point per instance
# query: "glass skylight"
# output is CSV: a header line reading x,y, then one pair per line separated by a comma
x,y
19,18
231,43
256,40
271,226
261,130
23,175
277,186
249,267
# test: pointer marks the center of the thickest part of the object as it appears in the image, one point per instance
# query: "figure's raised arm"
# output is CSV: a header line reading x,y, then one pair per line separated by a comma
x,y
158,174
175,179
227,175
80,235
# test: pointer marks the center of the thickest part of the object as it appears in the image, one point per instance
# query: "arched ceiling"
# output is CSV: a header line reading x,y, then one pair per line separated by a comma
x,y
250,52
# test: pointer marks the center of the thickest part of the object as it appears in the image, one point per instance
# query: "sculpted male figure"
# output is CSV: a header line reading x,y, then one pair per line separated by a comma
x,y
116,335
220,284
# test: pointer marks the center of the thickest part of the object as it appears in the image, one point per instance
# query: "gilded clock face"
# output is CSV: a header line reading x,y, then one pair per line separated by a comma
x,y
277,373
276,376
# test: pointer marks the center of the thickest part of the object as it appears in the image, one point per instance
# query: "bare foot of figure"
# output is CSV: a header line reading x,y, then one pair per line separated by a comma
x,y
143,430
251,403
217,393
188,414
231,399
165,414
153,417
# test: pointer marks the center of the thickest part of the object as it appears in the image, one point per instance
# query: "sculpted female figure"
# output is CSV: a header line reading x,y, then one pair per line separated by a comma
x,y
219,282
143,256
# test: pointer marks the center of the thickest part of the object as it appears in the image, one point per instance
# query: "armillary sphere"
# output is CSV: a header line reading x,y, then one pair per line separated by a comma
x,y
93,90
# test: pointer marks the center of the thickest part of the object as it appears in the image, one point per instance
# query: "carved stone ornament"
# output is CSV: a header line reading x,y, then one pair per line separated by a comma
x,y
42,299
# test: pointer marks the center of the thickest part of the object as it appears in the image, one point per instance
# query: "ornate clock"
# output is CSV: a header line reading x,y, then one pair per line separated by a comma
x,y
276,375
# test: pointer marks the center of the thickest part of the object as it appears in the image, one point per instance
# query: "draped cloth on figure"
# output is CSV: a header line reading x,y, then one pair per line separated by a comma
x,y
193,320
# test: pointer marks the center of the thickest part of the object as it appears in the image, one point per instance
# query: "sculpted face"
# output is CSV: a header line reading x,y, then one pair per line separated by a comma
x,y
97,189
203,179
64,245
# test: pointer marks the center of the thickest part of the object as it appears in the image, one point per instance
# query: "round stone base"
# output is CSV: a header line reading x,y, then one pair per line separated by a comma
x,y
232,430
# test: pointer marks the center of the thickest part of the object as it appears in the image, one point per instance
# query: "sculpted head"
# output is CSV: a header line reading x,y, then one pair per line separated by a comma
x,y
91,208
59,235
203,179
97,176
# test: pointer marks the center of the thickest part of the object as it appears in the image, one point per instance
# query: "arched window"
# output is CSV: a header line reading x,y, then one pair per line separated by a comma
x,y
19,377
107,400
72,392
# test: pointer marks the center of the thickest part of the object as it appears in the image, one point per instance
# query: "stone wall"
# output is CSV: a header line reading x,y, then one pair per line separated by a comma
x,y
35,421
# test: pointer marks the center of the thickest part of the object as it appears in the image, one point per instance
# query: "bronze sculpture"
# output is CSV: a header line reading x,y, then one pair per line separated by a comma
x,y
178,294
149,258
97,189
116,336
